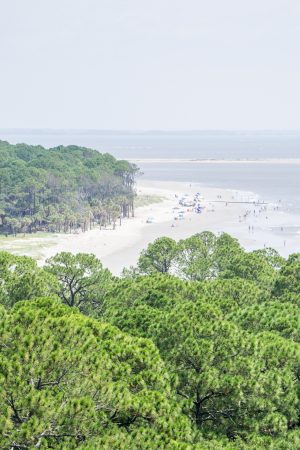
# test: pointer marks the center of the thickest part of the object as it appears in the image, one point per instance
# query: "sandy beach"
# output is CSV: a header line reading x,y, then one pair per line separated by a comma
x,y
234,212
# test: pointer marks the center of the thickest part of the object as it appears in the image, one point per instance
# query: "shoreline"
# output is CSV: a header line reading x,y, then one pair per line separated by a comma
x,y
230,211
213,161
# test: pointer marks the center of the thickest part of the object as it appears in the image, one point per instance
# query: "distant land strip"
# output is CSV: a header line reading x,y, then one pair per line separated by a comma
x,y
213,161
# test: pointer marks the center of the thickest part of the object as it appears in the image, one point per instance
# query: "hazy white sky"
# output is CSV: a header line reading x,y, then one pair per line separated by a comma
x,y
150,64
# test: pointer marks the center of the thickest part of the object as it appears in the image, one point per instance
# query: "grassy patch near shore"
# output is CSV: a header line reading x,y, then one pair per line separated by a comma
x,y
27,244
145,200
39,234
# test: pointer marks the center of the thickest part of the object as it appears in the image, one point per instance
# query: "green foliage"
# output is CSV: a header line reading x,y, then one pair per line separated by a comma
x,y
288,281
227,375
250,266
82,279
280,317
67,380
195,259
61,188
158,257
205,256
272,257
22,279
231,294
197,348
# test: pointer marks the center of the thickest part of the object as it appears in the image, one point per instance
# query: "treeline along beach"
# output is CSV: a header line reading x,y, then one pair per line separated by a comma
x,y
62,189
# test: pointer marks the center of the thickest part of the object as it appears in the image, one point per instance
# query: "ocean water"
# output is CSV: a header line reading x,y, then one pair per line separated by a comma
x,y
273,182
193,145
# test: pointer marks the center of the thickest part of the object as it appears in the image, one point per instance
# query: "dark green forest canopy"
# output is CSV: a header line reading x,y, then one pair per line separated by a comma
x,y
208,359
62,188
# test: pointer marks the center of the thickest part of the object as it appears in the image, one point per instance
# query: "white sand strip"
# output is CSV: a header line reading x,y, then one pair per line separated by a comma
x,y
225,211
212,161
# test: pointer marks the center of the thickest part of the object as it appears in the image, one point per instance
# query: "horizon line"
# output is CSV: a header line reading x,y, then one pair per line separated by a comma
x,y
150,130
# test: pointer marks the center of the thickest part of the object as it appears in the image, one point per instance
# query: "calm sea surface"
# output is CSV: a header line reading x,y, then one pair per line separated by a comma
x,y
272,182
